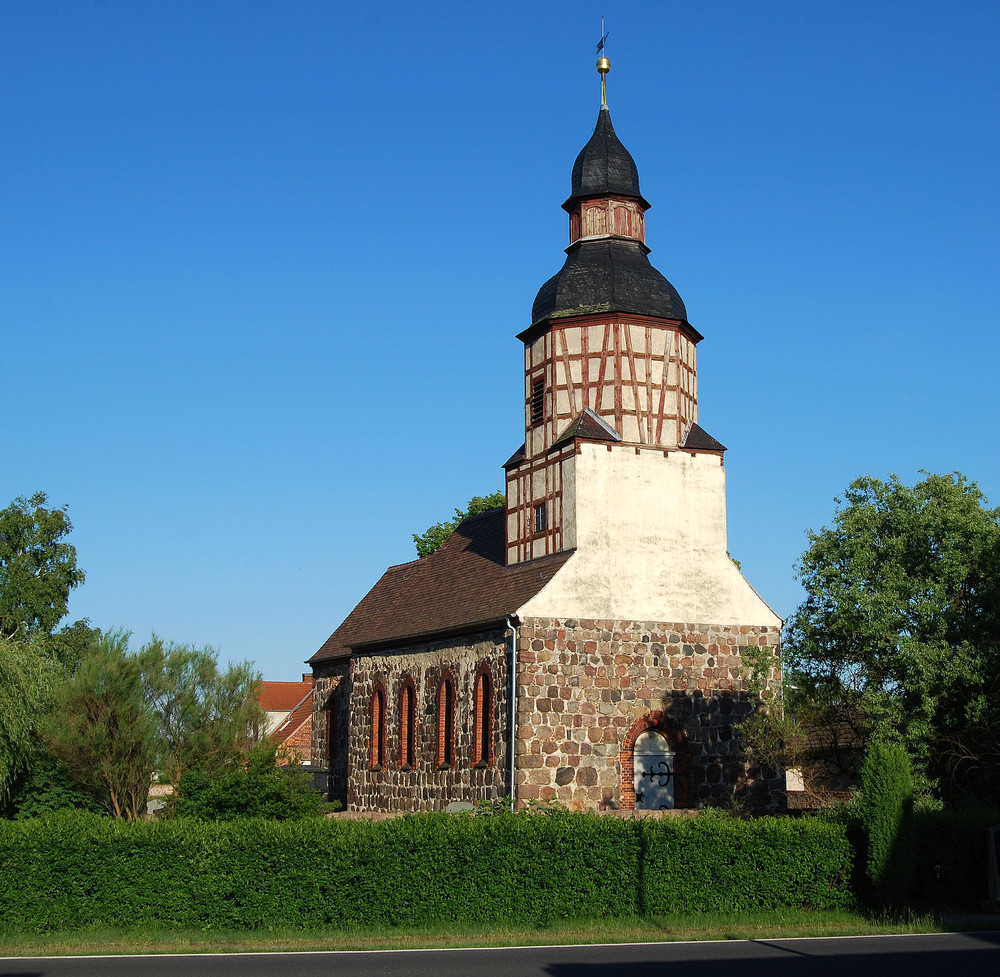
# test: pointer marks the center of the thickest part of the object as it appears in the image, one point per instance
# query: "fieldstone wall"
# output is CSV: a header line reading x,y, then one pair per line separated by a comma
x,y
428,785
587,688
331,725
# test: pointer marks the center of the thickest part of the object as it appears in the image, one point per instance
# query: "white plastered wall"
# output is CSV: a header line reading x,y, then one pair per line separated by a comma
x,y
650,535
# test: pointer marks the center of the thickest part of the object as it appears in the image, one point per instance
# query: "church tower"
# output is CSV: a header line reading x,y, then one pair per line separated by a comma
x,y
614,464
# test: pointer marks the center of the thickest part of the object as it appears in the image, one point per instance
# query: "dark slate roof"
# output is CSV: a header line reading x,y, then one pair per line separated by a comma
x,y
698,439
590,427
462,586
517,457
604,166
607,275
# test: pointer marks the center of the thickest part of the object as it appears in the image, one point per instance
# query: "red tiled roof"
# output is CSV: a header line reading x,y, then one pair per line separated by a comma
x,y
282,696
300,714
462,586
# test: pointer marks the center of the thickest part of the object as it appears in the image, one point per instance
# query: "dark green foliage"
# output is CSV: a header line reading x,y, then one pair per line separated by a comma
x,y
886,812
45,786
68,871
952,858
37,569
899,634
250,787
435,535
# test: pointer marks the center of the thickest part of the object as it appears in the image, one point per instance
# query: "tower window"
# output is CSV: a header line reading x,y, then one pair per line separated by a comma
x,y
541,519
537,400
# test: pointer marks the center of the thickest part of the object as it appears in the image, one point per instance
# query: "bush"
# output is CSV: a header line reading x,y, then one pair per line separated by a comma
x,y
44,786
886,811
251,787
70,870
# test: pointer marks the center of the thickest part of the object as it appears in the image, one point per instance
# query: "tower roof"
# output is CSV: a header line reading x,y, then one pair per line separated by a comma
x,y
607,275
604,166
606,268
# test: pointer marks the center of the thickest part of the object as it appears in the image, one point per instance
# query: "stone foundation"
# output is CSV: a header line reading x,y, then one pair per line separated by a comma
x,y
586,689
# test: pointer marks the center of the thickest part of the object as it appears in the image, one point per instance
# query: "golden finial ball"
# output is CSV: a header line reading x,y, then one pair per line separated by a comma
x,y
603,65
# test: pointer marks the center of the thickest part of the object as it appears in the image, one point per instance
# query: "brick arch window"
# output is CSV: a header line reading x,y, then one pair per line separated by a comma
x,y
446,722
378,727
407,725
482,718
676,738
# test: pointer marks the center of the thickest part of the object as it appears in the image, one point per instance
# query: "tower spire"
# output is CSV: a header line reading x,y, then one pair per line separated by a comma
x,y
603,66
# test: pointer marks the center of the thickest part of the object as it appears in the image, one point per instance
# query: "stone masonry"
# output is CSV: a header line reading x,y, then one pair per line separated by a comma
x,y
427,785
587,688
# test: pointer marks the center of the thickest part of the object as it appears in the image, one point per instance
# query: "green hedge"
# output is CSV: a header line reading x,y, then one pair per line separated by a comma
x,y
729,865
69,871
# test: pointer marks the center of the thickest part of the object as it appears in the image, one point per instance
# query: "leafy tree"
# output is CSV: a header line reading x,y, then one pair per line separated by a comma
x,y
428,541
899,634
37,572
37,568
27,674
204,715
102,729
251,786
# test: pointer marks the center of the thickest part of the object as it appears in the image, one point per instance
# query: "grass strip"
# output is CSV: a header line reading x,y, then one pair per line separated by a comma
x,y
776,924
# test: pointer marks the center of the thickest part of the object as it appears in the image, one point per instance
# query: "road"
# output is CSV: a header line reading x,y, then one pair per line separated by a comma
x,y
939,955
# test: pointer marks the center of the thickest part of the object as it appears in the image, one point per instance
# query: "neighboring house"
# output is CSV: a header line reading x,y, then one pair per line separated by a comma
x,y
288,708
833,758
583,643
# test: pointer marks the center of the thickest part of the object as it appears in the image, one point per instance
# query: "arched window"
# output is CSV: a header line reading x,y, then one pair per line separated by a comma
x,y
378,728
482,723
446,722
407,725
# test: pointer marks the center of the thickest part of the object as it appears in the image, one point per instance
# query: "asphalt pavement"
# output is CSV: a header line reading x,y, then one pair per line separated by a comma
x,y
936,955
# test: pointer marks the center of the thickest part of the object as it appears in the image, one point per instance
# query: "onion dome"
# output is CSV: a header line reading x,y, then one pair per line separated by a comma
x,y
604,166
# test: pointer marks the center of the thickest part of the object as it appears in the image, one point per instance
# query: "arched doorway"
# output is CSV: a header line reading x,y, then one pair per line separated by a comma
x,y
653,739
653,772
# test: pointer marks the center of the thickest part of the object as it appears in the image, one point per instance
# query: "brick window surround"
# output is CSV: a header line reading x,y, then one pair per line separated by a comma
x,y
677,738
378,727
445,751
407,724
484,701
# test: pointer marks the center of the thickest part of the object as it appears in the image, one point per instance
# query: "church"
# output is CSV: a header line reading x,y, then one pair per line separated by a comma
x,y
584,643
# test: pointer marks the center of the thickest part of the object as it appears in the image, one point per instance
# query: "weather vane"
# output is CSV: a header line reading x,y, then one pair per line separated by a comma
x,y
603,65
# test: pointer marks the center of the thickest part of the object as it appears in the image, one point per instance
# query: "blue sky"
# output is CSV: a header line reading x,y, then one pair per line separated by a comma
x,y
265,264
